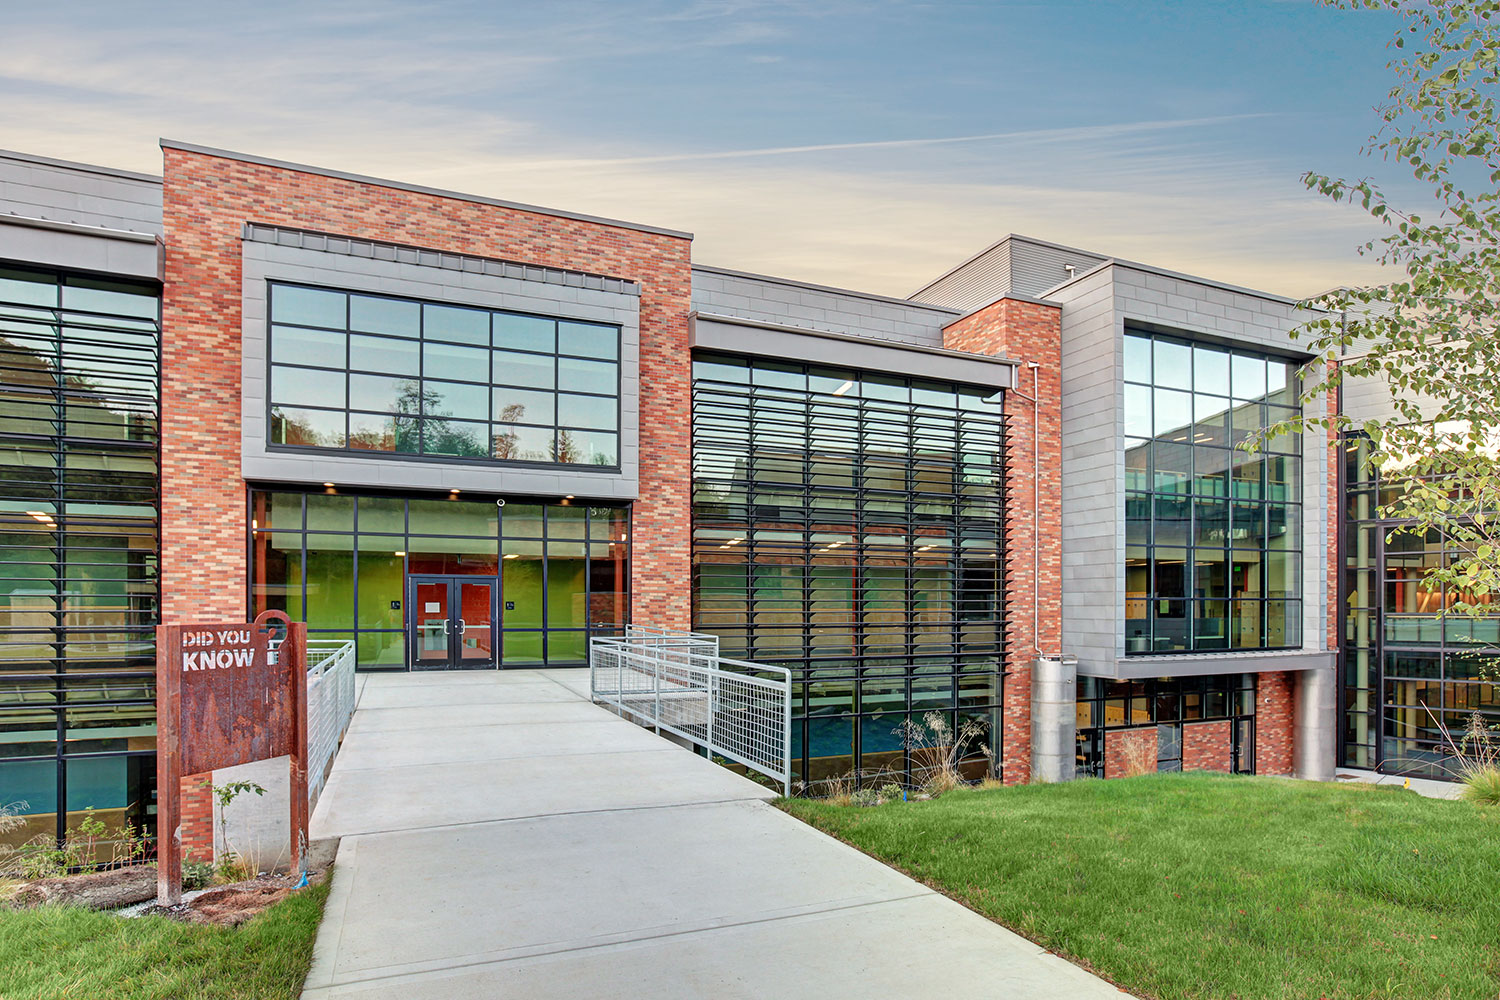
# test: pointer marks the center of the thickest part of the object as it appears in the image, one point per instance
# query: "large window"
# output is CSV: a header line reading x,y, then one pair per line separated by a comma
x,y
79,391
1408,664
1213,557
849,526
374,373
339,562
1165,704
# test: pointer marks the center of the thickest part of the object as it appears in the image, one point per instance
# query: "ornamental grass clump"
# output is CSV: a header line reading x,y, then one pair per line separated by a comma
x,y
936,750
1473,758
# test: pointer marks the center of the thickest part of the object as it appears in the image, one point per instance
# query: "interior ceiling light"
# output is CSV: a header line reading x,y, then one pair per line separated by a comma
x,y
843,388
509,555
400,553
329,485
455,490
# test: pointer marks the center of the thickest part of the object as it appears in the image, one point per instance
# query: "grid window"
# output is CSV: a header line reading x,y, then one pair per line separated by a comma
x,y
79,495
848,526
1213,531
340,562
1165,704
356,372
1409,668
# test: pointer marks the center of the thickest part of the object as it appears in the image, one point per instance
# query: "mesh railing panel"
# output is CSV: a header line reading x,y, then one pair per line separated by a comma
x,y
676,681
330,705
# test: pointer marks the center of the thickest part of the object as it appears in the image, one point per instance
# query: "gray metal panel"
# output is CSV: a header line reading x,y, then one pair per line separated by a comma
x,y
1211,664
1096,309
417,188
81,248
79,194
1016,264
1093,539
263,262
411,254
817,307
1036,266
736,336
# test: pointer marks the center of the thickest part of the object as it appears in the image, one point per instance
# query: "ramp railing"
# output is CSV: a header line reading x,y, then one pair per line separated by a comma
x,y
677,682
330,705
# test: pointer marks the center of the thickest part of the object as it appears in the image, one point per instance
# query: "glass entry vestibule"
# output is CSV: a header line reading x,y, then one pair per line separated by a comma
x,y
452,622
556,574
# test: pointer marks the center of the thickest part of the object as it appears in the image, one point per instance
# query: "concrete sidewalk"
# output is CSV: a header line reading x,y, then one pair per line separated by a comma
x,y
503,837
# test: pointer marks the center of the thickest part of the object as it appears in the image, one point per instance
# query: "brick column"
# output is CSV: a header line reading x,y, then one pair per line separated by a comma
x,y
1273,724
1031,332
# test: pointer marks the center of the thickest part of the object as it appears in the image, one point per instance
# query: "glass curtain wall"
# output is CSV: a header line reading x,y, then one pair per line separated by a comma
x,y
1407,664
376,373
1213,532
849,525
1165,703
79,482
339,562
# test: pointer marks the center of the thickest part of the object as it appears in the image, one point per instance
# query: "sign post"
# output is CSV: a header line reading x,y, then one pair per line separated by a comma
x,y
227,694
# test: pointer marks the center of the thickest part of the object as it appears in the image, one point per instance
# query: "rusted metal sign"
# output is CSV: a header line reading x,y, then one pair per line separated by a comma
x,y
227,694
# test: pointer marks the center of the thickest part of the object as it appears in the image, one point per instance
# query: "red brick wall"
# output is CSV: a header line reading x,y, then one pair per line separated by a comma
x,y
1206,746
1030,332
1273,723
1121,745
206,199
197,819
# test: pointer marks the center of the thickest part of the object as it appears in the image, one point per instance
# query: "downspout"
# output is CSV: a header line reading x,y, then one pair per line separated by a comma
x,y
1054,678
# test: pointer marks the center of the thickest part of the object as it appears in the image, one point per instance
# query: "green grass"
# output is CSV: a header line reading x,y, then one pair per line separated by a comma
x,y
1209,886
65,952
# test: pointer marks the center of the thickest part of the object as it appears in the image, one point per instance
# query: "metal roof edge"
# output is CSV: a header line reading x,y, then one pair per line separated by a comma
x,y
91,168
852,338
793,282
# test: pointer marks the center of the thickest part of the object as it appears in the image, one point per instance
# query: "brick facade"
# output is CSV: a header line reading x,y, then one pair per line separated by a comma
x,y
1031,332
206,201
1129,751
1207,746
1273,723
197,818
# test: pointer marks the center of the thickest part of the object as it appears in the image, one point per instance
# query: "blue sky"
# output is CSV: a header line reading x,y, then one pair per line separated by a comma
x,y
866,144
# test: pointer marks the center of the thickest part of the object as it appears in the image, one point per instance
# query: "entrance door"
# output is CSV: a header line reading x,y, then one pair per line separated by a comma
x,y
452,622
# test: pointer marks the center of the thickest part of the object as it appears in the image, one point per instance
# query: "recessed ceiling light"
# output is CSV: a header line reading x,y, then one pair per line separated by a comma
x,y
329,485
400,553
568,497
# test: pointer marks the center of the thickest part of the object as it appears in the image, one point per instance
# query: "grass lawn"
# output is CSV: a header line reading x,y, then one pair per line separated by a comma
x,y
64,952
1211,886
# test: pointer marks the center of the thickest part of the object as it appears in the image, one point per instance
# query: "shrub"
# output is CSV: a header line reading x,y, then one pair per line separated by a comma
x,y
197,874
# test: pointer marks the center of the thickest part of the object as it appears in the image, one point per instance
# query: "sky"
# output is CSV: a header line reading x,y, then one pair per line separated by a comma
x,y
869,144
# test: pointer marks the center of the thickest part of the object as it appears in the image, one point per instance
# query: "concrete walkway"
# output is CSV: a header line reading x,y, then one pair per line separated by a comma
x,y
503,837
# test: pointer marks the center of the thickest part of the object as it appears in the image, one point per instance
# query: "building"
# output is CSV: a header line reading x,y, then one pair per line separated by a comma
x,y
467,433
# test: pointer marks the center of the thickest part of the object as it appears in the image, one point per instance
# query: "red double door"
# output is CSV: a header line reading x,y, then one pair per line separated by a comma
x,y
451,621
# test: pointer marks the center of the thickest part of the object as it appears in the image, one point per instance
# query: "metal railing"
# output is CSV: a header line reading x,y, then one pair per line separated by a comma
x,y
677,682
330,705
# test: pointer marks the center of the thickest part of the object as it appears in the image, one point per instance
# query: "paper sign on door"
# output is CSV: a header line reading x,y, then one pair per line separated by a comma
x,y
431,608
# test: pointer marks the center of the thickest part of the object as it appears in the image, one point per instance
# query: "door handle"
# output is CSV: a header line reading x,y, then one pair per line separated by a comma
x,y
463,626
445,626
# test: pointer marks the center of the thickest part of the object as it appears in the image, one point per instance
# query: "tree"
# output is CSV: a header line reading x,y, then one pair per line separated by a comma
x,y
1430,332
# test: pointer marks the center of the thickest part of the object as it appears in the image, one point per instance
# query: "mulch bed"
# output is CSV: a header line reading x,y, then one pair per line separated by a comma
x,y
232,905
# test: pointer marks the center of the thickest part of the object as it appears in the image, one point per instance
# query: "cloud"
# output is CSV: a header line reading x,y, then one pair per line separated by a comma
x,y
465,109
